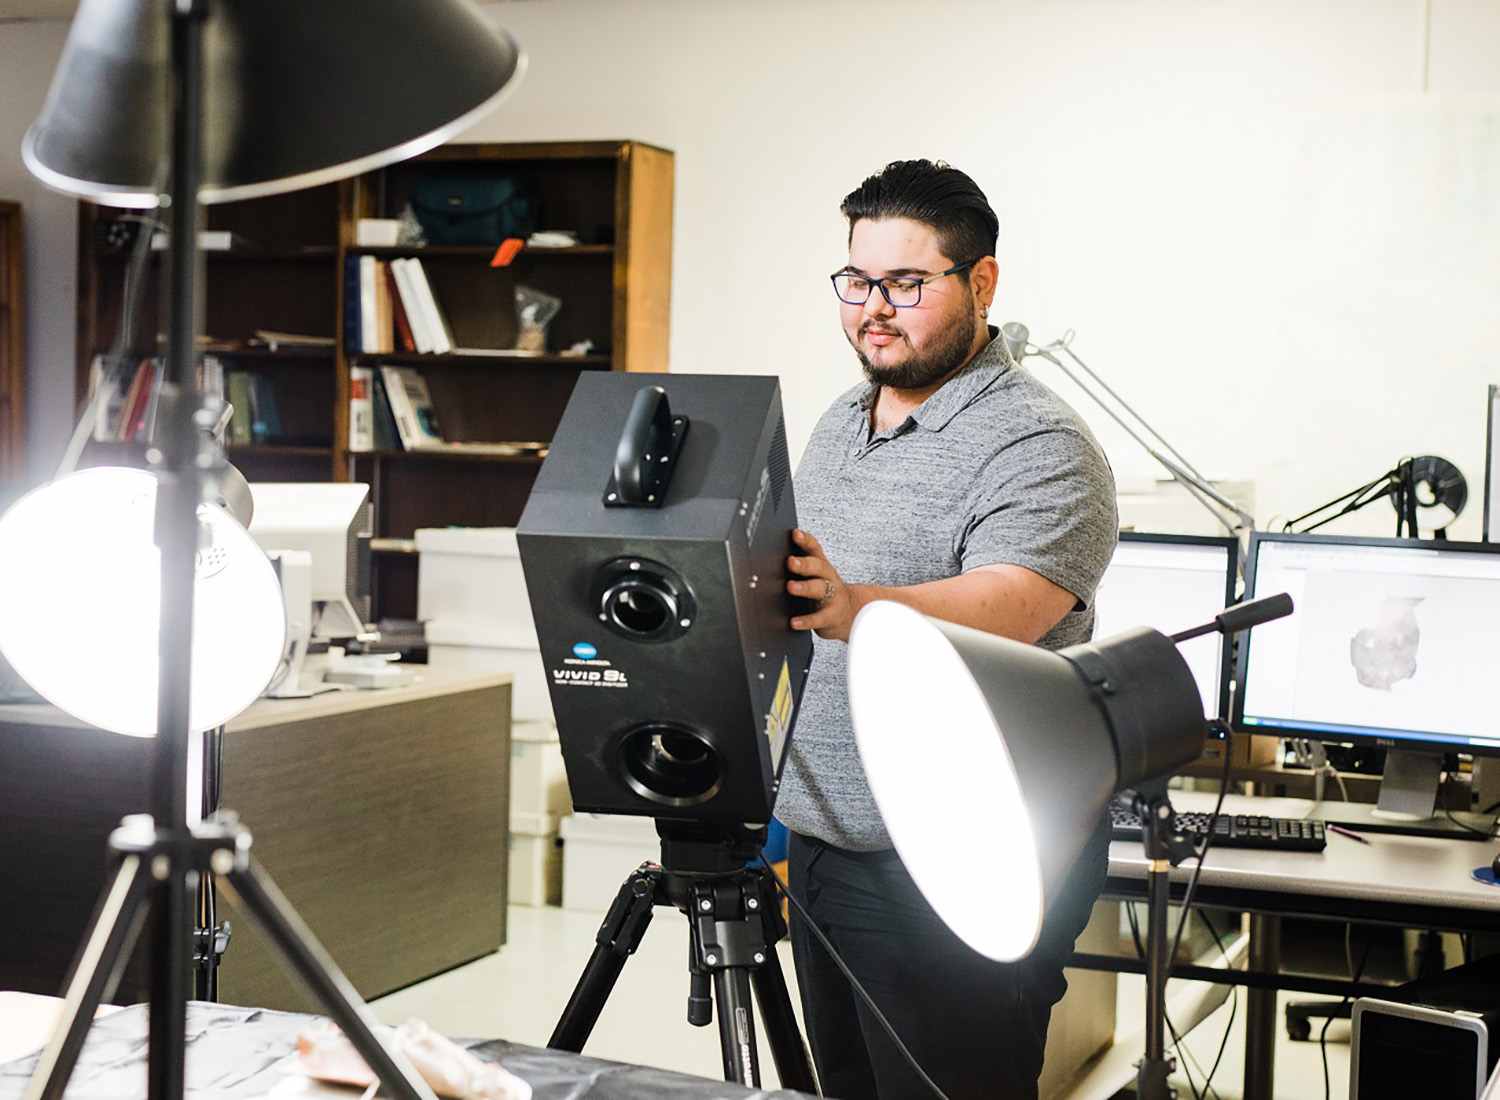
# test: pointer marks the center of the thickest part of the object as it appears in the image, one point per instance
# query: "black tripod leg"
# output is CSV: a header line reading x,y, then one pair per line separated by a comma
x,y
306,958
619,935
788,1051
736,1026
117,924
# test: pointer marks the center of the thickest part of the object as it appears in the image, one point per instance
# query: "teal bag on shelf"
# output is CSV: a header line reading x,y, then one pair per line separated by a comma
x,y
473,210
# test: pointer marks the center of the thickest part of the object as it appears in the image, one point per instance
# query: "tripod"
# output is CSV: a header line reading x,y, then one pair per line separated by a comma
x,y
734,920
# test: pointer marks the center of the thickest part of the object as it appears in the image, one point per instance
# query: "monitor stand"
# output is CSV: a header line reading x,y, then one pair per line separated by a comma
x,y
1409,792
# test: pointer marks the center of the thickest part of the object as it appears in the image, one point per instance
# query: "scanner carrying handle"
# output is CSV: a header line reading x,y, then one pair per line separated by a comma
x,y
647,451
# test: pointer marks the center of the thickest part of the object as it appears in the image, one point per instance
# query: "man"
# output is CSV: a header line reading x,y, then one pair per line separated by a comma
x,y
956,483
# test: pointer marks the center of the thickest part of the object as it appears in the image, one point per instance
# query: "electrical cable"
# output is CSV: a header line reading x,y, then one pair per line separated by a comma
x,y
1354,976
1202,853
1234,1005
854,982
1447,777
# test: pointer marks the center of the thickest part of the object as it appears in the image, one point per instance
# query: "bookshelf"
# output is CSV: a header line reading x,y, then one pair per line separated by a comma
x,y
290,276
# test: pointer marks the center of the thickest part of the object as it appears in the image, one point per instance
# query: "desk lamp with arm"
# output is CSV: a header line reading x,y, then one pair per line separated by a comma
x,y
1017,342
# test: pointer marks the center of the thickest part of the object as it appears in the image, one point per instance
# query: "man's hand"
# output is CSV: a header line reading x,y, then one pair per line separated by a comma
x,y
837,602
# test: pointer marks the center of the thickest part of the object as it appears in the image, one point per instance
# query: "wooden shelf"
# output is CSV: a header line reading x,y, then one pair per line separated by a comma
x,y
615,290
283,449
406,358
481,252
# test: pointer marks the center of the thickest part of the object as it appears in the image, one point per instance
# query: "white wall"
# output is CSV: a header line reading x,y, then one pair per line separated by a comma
x,y
28,54
1273,224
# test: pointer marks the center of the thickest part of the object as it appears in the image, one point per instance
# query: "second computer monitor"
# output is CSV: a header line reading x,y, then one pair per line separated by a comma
x,y
1172,583
1392,644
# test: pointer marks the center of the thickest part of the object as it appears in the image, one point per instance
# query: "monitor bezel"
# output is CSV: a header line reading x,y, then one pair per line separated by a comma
x,y
1421,741
1231,586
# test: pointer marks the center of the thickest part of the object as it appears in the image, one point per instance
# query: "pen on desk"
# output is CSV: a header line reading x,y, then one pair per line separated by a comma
x,y
1332,828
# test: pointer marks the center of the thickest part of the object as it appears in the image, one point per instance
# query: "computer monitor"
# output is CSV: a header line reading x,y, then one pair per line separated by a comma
x,y
331,522
1172,583
1392,644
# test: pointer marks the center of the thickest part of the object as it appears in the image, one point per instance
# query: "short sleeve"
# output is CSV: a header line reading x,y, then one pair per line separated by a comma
x,y
1046,502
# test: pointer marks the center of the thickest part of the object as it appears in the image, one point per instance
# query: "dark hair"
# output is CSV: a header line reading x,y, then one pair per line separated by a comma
x,y
935,194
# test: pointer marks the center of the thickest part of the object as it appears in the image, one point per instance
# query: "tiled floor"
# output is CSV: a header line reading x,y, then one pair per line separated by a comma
x,y
520,992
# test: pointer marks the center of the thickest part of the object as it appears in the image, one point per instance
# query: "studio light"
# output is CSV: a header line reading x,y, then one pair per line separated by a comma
x,y
83,628
172,105
293,93
992,760
992,763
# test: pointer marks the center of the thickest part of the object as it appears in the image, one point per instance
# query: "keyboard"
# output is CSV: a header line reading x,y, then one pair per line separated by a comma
x,y
1283,834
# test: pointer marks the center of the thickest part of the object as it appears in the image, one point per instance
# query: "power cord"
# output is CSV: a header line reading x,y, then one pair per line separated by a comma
x,y
854,982
1355,973
1448,813
1234,1003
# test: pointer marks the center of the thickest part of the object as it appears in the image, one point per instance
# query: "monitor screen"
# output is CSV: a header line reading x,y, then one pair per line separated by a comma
x,y
1391,641
1172,583
331,521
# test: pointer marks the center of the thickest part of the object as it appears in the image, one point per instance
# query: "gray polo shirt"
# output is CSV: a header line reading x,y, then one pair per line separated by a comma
x,y
993,469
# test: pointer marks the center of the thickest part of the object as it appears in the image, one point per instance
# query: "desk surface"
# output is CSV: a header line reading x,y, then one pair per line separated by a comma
x,y
1392,879
430,683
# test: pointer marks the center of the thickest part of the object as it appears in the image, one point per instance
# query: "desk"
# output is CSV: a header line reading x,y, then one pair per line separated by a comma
x,y
382,815
236,1054
1409,882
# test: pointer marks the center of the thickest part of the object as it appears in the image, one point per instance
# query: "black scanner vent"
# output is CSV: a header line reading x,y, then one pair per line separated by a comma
x,y
779,466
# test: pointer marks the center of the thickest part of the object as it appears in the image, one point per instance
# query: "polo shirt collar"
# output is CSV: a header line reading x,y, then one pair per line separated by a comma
x,y
958,392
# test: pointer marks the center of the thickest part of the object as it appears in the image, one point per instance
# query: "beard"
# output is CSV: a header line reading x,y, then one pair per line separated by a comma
x,y
924,367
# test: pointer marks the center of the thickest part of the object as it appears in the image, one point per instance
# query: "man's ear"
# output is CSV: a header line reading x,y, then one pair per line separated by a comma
x,y
984,277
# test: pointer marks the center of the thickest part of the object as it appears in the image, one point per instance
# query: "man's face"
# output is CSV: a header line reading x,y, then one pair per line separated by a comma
x,y
916,346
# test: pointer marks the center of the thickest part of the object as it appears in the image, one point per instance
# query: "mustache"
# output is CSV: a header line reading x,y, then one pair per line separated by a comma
x,y
865,327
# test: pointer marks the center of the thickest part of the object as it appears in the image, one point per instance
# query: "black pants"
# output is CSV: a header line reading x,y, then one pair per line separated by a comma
x,y
977,1027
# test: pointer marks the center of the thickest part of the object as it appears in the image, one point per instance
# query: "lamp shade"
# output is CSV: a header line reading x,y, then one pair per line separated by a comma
x,y
80,603
297,93
992,761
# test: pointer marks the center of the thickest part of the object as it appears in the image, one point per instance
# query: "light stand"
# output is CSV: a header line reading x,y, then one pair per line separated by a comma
x,y
1164,849
162,860
1233,518
304,97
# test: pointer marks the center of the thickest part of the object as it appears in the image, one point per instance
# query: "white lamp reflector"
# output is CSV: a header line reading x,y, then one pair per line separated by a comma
x,y
80,603
944,781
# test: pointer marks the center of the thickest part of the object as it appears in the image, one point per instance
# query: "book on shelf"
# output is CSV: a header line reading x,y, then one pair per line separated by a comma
x,y
411,405
387,438
109,384
402,338
361,409
239,433
373,335
143,388
427,304
411,304
353,322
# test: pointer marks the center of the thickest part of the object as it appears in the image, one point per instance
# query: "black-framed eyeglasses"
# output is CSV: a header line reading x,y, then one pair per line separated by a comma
x,y
901,291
